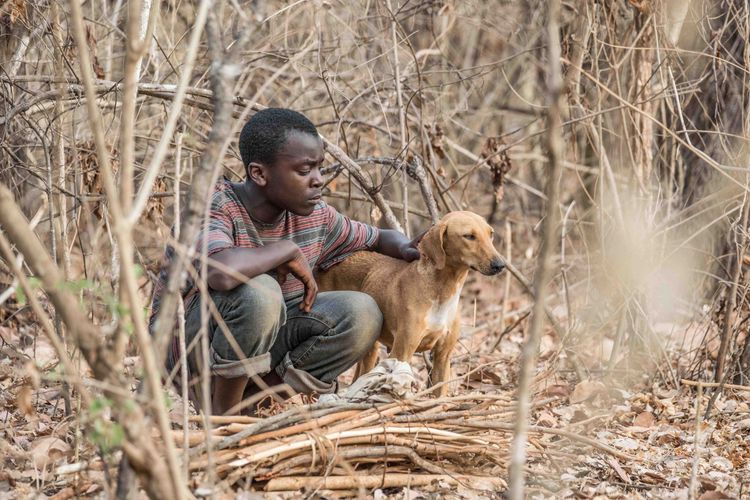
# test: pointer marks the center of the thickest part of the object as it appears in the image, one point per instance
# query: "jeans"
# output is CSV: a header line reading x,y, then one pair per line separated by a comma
x,y
260,333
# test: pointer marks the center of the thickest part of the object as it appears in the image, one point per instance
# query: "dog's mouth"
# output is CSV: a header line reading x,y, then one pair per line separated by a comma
x,y
491,269
489,272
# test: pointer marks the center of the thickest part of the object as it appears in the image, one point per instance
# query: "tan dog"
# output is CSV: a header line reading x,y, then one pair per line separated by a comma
x,y
419,300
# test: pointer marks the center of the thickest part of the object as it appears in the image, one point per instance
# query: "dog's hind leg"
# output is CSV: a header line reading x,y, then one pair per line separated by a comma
x,y
368,362
441,358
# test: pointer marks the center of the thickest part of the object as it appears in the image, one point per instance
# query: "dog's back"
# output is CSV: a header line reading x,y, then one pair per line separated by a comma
x,y
356,271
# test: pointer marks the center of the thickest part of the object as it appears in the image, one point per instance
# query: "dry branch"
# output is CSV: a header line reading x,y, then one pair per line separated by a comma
x,y
426,437
139,448
357,172
555,151
381,481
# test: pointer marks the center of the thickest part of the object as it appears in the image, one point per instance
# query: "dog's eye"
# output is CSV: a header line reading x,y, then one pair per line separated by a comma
x,y
470,237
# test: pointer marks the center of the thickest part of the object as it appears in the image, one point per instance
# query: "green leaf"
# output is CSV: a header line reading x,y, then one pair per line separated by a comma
x,y
138,271
107,435
99,405
116,435
168,403
79,285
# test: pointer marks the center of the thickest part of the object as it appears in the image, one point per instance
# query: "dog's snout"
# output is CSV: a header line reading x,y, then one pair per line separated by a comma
x,y
496,266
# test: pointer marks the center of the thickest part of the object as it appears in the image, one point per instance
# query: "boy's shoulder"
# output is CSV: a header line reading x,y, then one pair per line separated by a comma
x,y
224,201
223,193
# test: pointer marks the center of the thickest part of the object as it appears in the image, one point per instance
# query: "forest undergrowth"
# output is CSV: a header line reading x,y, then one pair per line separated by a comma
x,y
606,143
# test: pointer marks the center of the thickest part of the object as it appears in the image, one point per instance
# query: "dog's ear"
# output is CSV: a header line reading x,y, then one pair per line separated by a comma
x,y
431,244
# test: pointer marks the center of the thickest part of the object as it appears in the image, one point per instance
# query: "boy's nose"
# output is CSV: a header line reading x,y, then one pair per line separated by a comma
x,y
316,178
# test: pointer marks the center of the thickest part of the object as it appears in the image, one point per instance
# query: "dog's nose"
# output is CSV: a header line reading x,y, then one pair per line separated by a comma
x,y
497,266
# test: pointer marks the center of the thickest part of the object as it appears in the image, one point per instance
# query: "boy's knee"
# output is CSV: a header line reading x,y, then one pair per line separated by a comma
x,y
367,321
260,300
253,312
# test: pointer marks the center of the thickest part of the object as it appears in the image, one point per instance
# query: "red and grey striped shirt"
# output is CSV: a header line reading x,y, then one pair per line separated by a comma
x,y
325,237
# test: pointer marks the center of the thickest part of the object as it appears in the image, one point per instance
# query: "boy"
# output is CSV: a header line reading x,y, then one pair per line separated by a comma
x,y
272,231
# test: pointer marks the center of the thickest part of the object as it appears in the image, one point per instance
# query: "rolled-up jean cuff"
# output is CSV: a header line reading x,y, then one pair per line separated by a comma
x,y
231,368
301,381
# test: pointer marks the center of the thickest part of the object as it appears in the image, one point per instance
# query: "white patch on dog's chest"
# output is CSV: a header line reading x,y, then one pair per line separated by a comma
x,y
441,315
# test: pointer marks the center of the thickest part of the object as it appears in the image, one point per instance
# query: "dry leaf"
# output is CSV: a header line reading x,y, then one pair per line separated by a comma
x,y
720,463
626,443
546,419
612,461
91,41
642,5
644,419
437,140
586,390
155,206
18,11
48,450
713,495
707,484
547,347
496,156
558,390
23,400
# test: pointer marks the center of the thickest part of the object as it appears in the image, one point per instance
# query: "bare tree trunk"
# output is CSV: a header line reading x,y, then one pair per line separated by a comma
x,y
731,305
642,142
550,237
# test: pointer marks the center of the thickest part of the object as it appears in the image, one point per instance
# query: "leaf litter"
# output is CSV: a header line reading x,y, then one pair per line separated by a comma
x,y
604,437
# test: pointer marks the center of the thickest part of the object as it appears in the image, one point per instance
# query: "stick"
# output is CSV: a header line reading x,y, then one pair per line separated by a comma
x,y
359,176
546,430
379,481
555,151
692,486
694,383
225,419
354,452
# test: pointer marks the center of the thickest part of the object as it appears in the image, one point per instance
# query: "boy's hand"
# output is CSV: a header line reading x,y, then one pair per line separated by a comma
x,y
394,244
299,268
410,250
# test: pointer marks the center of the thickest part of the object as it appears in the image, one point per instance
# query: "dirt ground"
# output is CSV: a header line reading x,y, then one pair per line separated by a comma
x,y
636,411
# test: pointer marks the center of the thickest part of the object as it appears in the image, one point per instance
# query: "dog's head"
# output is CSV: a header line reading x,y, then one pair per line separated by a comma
x,y
462,239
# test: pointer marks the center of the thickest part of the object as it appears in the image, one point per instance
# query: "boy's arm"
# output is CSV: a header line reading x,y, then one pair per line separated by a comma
x,y
284,256
394,244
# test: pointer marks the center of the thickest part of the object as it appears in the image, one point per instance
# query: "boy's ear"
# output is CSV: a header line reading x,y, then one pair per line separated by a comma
x,y
257,173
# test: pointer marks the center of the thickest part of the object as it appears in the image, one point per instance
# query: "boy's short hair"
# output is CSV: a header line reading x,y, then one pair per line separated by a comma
x,y
266,132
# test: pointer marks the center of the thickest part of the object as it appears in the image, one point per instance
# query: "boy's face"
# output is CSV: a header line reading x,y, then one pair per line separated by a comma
x,y
294,182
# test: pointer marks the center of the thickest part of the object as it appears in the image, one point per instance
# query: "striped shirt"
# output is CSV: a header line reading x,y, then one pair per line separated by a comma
x,y
325,238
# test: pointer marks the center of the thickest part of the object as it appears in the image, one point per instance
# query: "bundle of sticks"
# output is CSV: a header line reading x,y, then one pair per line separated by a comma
x,y
449,441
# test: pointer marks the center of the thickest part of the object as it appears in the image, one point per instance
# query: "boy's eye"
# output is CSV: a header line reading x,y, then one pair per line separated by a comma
x,y
470,237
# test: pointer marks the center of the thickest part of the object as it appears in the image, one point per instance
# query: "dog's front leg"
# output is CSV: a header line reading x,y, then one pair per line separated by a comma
x,y
406,340
441,358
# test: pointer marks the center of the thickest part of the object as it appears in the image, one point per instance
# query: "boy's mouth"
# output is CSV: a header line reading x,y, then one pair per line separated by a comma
x,y
315,198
